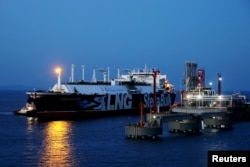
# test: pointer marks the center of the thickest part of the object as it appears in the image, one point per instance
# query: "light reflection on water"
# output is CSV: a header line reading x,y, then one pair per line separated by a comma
x,y
56,146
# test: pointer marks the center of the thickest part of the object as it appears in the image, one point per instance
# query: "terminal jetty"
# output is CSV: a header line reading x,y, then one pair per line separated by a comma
x,y
200,107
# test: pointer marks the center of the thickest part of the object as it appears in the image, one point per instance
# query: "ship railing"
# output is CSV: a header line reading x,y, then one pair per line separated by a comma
x,y
199,110
209,97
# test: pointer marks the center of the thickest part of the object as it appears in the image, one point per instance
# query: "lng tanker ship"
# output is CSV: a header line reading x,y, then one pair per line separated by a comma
x,y
118,96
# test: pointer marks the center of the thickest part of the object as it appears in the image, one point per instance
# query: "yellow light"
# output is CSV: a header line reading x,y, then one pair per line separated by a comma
x,y
58,70
57,149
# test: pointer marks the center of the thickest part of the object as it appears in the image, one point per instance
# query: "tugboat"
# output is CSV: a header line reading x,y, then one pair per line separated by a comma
x,y
81,99
23,110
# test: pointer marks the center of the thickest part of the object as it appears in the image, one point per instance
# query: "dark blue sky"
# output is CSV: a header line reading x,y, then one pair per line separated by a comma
x,y
35,36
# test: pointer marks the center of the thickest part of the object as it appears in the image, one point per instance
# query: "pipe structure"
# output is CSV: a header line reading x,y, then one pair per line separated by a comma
x,y
141,113
181,93
219,84
155,73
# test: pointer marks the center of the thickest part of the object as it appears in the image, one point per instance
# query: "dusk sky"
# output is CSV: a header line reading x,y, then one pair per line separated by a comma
x,y
38,35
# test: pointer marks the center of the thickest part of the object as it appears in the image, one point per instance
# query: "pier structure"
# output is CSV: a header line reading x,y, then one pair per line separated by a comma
x,y
148,130
180,120
188,120
200,107
144,129
211,117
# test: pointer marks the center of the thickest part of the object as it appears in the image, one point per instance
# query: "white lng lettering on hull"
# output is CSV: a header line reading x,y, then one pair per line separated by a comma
x,y
122,101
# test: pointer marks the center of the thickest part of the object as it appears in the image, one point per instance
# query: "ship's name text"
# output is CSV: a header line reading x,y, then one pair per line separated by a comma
x,y
162,100
124,101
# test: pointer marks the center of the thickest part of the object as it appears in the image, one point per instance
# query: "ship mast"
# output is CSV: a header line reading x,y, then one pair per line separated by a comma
x,y
108,69
82,72
72,72
58,71
94,76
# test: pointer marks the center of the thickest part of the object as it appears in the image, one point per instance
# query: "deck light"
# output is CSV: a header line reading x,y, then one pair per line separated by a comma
x,y
58,70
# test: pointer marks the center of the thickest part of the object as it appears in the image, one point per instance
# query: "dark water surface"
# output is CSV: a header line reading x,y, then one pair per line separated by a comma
x,y
102,142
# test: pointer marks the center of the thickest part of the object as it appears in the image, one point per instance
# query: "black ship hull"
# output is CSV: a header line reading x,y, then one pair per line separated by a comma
x,y
51,105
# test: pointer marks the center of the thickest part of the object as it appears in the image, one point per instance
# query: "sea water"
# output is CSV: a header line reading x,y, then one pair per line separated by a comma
x,y
102,142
